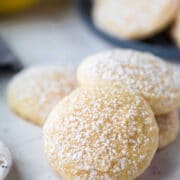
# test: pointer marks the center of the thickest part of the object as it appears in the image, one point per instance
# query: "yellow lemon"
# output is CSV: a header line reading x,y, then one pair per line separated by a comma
x,y
12,6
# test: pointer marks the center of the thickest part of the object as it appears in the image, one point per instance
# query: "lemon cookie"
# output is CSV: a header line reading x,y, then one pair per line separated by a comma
x,y
34,91
176,30
144,73
100,133
133,19
168,128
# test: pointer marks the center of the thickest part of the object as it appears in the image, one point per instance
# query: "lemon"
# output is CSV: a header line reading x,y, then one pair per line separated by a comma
x,y
12,6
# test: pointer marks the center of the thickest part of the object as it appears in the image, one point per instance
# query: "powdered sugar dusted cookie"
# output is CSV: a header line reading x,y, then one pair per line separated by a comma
x,y
168,128
5,161
143,73
133,19
33,92
101,133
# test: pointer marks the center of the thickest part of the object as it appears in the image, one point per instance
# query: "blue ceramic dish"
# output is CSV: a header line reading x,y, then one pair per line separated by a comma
x,y
161,44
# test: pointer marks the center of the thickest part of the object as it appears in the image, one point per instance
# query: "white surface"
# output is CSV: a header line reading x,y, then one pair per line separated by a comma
x,y
55,36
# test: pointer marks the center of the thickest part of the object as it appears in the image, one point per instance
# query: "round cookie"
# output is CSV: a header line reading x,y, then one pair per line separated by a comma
x,y
144,73
176,30
101,133
168,128
33,92
133,19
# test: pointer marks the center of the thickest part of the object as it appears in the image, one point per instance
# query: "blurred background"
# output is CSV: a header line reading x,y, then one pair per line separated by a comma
x,y
42,31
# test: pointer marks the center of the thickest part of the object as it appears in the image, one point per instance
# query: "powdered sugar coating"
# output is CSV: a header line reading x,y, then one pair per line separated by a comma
x,y
101,133
33,92
168,128
144,73
133,19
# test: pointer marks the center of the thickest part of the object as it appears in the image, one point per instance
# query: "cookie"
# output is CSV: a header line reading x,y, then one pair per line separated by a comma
x,y
133,19
143,73
5,160
33,92
101,133
168,128
176,30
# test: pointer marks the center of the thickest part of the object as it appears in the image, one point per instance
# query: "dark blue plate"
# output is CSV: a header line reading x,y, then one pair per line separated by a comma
x,y
161,44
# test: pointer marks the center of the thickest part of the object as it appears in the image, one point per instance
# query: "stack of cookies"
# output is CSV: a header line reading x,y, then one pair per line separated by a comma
x,y
137,19
143,73
109,127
